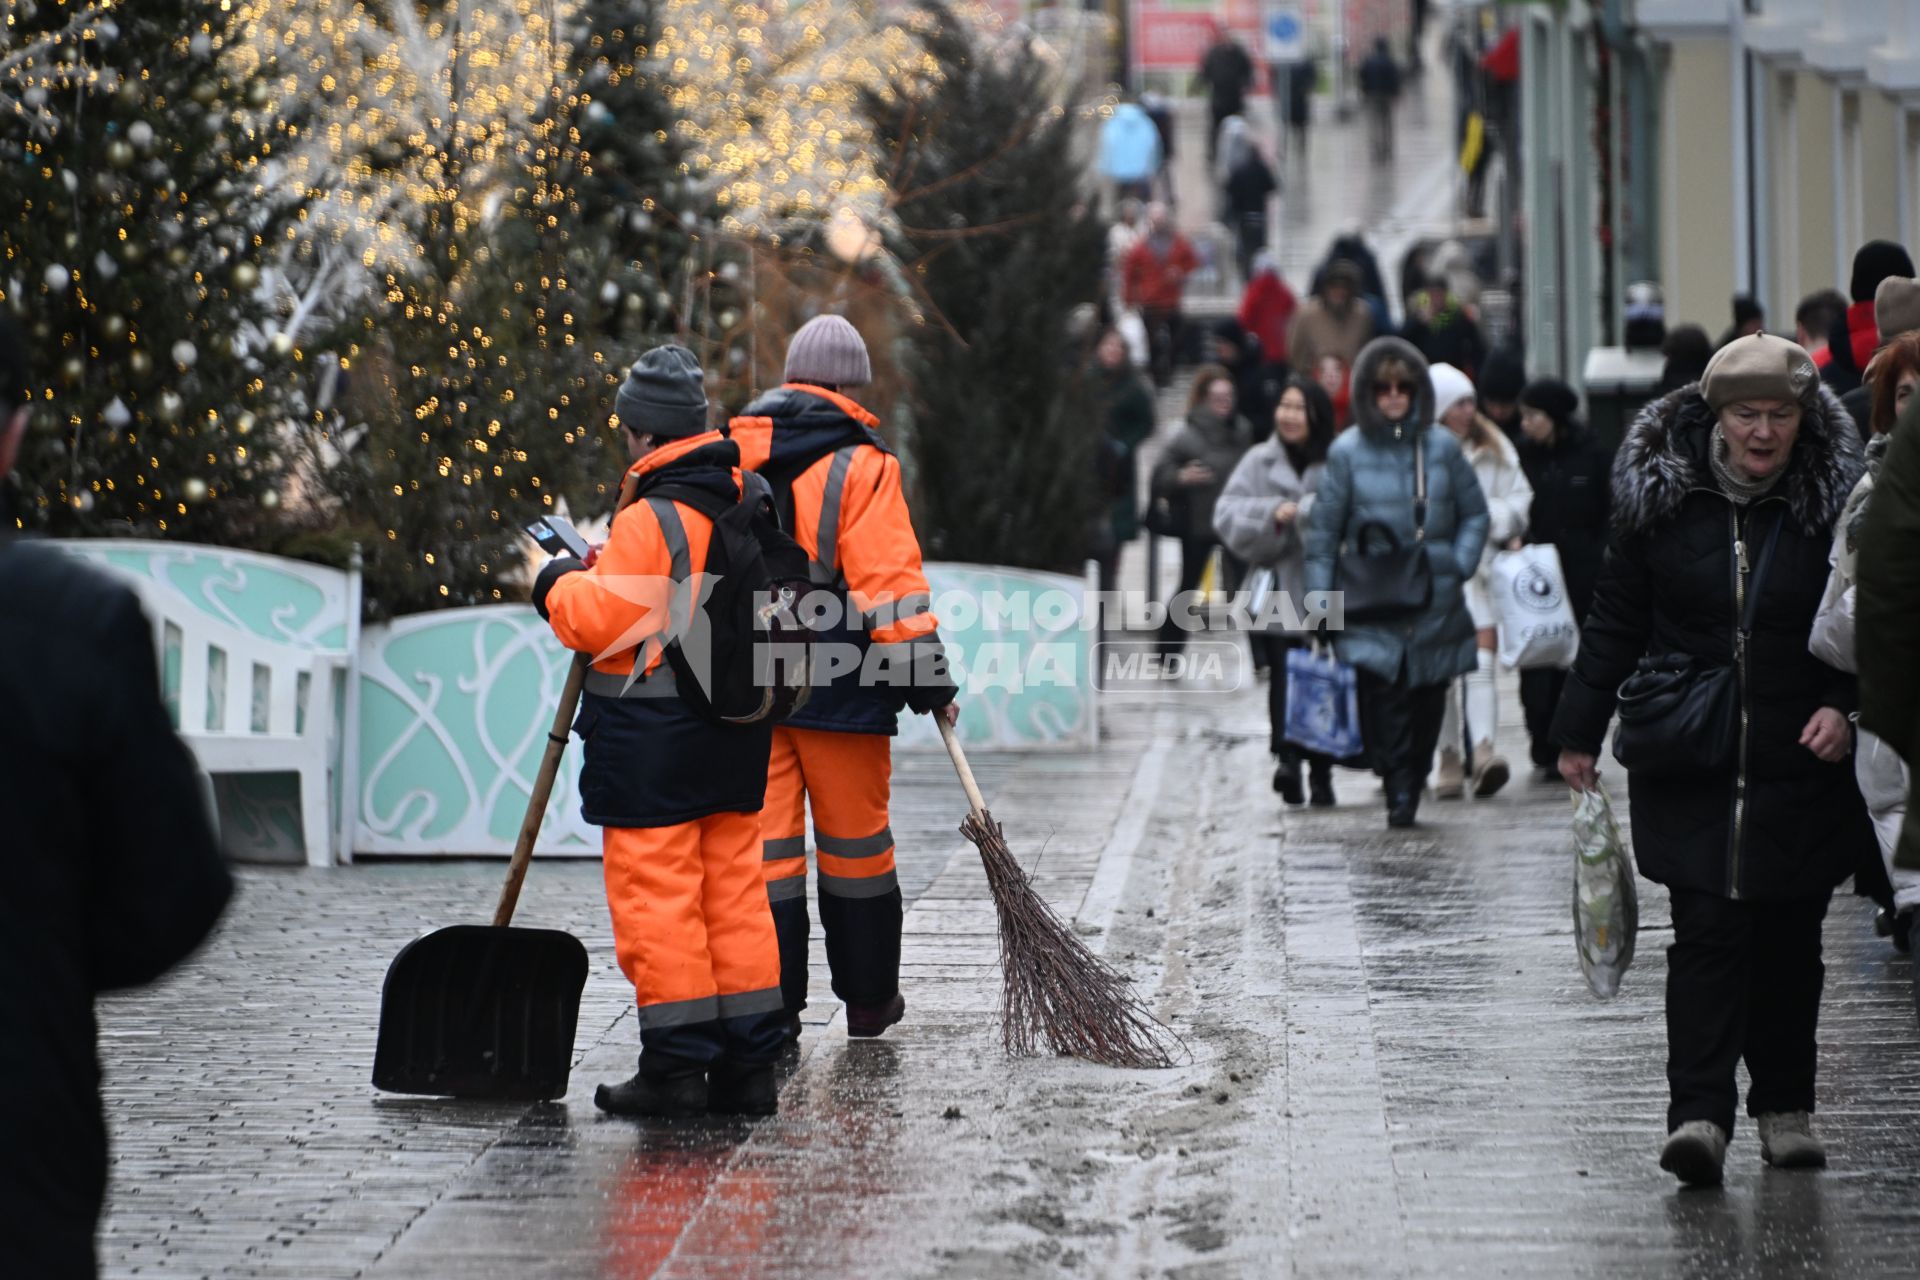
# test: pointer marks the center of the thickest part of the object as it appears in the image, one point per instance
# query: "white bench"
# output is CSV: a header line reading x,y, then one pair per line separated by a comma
x,y
252,651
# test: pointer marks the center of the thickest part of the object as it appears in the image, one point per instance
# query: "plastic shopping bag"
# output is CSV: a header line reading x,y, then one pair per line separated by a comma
x,y
1606,904
1537,626
1323,704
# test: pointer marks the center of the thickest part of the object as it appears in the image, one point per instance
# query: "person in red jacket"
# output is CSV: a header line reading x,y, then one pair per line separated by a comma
x,y
1267,307
837,484
1154,279
678,797
1856,336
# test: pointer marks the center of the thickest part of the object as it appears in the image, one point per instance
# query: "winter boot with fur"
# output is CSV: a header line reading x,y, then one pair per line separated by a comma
x,y
1696,1153
1490,771
1787,1141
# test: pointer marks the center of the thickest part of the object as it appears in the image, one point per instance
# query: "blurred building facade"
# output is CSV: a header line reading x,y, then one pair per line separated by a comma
x,y
1714,146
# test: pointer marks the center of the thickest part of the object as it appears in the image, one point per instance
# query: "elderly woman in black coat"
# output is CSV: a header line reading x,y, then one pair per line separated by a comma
x,y
1724,496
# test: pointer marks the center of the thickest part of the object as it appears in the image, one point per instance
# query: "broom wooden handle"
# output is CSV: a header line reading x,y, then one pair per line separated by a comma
x,y
961,767
550,761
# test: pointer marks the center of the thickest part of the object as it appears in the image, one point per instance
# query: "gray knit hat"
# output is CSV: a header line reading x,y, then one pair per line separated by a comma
x,y
828,352
1759,366
664,394
1896,307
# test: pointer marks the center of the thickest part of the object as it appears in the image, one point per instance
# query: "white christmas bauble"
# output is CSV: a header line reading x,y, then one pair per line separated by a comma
x,y
106,268
729,271
140,134
58,277
170,406
282,344
185,354
609,293
639,220
194,489
83,501
36,97
69,180
106,31
116,415
270,499
201,45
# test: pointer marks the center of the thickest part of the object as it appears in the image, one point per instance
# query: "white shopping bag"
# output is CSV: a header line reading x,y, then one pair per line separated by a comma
x,y
1537,626
1133,331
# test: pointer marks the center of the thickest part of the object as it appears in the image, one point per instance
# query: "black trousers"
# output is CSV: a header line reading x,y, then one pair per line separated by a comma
x,y
1743,981
1274,649
1539,696
1402,725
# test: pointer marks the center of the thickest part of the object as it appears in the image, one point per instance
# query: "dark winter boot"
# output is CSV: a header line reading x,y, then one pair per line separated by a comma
x,y
1286,780
742,1089
865,1021
1403,800
1320,785
665,1086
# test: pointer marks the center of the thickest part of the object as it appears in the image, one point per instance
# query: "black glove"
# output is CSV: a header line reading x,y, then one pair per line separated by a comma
x,y
554,570
933,686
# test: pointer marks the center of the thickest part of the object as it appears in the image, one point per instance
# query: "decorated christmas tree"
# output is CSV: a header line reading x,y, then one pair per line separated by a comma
x,y
143,192
994,232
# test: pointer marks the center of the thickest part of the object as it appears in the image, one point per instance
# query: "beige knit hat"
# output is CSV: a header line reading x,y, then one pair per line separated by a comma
x,y
1896,307
828,352
1759,366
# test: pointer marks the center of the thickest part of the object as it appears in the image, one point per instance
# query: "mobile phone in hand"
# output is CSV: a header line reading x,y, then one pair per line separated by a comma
x,y
557,537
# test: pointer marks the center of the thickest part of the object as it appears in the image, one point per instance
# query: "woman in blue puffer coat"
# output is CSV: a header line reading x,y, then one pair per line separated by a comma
x,y
1404,662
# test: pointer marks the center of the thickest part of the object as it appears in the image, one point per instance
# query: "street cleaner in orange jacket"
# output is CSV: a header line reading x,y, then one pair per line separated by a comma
x,y
838,484
677,795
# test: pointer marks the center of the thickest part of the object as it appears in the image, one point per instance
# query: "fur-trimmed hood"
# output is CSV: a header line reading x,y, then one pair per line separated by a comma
x,y
1665,451
1368,418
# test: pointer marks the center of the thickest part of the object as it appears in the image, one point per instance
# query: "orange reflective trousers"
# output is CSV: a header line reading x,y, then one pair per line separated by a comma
x,y
845,778
694,935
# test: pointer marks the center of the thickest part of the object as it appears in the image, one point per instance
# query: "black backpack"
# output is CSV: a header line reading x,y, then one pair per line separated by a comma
x,y
760,654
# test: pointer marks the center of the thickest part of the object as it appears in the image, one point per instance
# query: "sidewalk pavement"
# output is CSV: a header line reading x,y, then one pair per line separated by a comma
x,y
1395,1070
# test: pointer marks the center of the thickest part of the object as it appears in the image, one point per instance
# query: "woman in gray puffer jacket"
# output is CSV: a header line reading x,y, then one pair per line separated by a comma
x,y
1260,518
1404,663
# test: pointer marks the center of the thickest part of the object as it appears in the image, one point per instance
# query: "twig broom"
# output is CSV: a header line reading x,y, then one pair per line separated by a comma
x,y
1054,992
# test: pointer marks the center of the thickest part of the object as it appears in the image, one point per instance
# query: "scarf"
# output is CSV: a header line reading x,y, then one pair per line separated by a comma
x,y
1732,483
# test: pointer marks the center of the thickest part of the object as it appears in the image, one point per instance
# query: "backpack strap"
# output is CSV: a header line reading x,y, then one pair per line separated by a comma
x,y
674,530
826,560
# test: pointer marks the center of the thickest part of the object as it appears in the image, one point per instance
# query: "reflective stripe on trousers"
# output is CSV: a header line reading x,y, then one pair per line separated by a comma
x,y
691,925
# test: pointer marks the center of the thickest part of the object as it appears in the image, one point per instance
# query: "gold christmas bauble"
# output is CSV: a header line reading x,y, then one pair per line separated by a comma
x,y
258,94
204,91
72,369
132,251
178,255
140,363
120,153
113,327
243,425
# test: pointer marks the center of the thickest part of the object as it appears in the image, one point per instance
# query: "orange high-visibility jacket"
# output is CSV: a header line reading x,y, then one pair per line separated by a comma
x,y
850,515
650,759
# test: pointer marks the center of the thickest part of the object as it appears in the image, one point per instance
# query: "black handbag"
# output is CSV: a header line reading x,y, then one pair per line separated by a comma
x,y
1382,584
1166,516
1680,716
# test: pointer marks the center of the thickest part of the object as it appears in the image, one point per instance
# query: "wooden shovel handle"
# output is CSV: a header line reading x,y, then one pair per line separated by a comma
x,y
550,762
542,789
961,767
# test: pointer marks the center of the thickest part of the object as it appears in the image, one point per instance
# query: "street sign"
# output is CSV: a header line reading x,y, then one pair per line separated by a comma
x,y
1286,34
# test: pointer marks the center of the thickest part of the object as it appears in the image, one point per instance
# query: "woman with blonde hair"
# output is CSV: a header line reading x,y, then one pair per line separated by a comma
x,y
1496,464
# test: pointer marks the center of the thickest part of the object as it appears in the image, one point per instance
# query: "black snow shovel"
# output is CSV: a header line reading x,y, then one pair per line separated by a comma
x,y
478,1011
